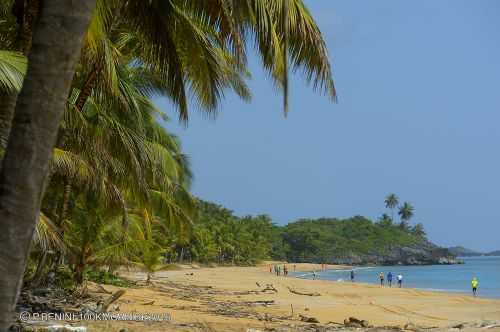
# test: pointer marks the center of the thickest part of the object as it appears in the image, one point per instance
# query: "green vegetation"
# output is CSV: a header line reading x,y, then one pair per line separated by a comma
x,y
107,278
220,237
329,239
223,238
90,175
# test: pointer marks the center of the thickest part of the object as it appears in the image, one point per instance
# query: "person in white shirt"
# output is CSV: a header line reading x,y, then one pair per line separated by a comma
x,y
400,280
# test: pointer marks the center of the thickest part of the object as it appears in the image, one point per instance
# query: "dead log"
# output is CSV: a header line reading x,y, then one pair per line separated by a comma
x,y
115,296
354,322
308,319
101,289
302,293
149,303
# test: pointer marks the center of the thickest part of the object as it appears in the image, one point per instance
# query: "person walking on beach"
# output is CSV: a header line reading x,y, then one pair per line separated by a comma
x,y
352,275
381,276
474,284
314,275
294,266
389,278
285,270
400,280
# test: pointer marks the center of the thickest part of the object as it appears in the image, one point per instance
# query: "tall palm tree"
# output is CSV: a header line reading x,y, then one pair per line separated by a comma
x,y
40,105
406,212
171,33
391,202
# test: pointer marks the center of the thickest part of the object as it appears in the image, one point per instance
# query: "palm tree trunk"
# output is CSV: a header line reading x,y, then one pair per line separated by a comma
x,y
7,106
40,105
31,11
88,86
65,205
37,277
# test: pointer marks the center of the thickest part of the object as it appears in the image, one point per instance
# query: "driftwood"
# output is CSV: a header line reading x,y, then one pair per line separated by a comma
x,y
269,287
101,289
492,326
334,323
302,293
308,319
263,302
354,322
115,296
149,303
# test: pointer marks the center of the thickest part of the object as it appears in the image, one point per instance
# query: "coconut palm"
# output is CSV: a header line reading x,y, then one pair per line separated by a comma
x,y
406,212
391,202
195,48
39,109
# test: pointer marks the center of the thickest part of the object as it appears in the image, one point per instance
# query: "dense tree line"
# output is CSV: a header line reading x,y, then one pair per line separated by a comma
x,y
219,236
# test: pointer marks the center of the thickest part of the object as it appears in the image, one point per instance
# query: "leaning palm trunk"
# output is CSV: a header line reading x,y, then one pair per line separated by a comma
x,y
40,105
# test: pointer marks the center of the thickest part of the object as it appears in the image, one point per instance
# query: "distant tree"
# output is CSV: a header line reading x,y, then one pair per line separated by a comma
x,y
391,202
385,220
406,212
419,230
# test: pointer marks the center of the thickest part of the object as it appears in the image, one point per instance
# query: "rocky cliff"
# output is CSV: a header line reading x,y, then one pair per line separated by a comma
x,y
424,253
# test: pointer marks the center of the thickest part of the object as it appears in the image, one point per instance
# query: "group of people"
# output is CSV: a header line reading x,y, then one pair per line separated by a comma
x,y
381,276
390,276
277,269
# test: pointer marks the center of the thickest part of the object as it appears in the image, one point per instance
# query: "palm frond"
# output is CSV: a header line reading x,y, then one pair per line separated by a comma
x,y
12,70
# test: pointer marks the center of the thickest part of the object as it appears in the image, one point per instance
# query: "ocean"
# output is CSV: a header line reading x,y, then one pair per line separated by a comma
x,y
444,278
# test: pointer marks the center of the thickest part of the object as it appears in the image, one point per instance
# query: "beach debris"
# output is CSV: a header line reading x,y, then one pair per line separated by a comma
x,y
114,297
258,285
149,303
269,287
354,322
334,323
265,303
101,289
308,319
490,325
294,291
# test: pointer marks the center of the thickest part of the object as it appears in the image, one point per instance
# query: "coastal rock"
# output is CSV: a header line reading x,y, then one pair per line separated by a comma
x,y
423,253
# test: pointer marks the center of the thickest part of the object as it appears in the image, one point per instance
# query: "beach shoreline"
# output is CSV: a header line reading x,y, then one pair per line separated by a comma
x,y
239,298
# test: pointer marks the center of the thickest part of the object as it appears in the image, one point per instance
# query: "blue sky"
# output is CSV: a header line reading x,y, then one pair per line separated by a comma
x,y
418,115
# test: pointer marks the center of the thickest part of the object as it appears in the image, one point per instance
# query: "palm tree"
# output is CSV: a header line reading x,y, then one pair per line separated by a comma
x,y
406,212
391,202
385,220
38,112
191,46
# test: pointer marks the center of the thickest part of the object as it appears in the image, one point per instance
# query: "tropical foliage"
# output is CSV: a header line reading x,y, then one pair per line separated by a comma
x,y
118,189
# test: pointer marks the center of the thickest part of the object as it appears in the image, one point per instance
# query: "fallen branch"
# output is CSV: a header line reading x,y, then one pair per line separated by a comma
x,y
308,319
149,303
491,326
101,289
116,295
302,293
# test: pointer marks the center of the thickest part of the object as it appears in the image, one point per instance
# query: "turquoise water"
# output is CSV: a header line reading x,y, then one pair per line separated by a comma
x,y
446,278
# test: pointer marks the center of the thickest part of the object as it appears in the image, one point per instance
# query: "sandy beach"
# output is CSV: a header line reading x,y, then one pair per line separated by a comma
x,y
234,299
